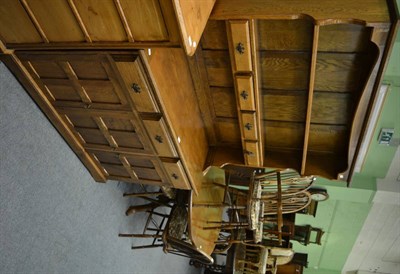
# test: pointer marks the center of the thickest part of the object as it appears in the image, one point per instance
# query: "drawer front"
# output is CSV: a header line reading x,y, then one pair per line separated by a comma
x,y
160,138
240,33
249,125
177,176
137,85
245,92
252,153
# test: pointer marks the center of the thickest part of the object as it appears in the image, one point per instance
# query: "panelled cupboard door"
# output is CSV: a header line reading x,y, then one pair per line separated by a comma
x,y
106,130
142,169
76,80
86,93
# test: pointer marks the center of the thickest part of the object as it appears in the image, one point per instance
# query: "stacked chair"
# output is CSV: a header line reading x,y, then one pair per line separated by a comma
x,y
254,198
167,230
259,196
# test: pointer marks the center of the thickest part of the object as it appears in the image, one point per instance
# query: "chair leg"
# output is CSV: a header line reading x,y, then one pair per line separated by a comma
x,y
139,235
144,194
141,208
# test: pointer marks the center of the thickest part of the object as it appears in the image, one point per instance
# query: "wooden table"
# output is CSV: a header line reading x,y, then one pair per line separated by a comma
x,y
205,207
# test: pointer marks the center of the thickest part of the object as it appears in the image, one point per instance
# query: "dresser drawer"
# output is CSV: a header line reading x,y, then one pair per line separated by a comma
x,y
252,153
240,34
160,138
176,174
136,83
249,125
245,92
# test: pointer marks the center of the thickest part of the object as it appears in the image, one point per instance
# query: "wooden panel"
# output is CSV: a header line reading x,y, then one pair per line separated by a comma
x,y
240,35
283,159
252,153
192,16
328,138
224,102
218,67
332,108
327,165
127,139
283,135
56,20
61,90
100,91
370,10
101,20
145,20
89,70
116,170
293,35
340,72
181,108
15,24
214,36
344,38
137,85
81,121
117,123
218,156
287,71
245,92
92,136
45,69
250,126
146,168
228,131
106,157
284,105
176,175
160,138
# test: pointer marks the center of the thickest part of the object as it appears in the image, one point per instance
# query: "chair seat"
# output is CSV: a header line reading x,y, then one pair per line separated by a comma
x,y
177,222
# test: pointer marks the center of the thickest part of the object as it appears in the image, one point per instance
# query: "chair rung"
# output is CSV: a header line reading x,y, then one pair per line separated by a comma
x,y
139,235
146,246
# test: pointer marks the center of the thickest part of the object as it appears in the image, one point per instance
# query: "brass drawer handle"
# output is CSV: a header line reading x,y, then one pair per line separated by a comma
x,y
240,48
248,126
244,95
176,177
136,88
158,139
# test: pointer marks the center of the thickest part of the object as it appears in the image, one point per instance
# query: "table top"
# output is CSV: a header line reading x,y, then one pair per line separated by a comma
x,y
210,193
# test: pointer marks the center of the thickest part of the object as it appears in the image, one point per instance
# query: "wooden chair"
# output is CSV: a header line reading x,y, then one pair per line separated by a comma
x,y
262,194
304,234
257,259
171,230
251,259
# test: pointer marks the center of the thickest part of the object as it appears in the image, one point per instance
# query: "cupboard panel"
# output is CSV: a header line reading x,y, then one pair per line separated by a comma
x,y
93,12
147,13
17,31
57,20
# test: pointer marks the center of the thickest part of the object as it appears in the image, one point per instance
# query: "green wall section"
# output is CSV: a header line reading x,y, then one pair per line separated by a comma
x,y
379,156
341,217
